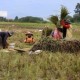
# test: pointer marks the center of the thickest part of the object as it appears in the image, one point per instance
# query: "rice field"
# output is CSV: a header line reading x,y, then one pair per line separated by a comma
x,y
44,66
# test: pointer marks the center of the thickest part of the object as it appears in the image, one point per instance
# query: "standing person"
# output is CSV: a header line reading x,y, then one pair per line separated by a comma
x,y
3,38
66,25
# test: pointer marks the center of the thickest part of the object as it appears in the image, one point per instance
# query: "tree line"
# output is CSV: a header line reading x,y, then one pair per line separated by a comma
x,y
24,19
74,18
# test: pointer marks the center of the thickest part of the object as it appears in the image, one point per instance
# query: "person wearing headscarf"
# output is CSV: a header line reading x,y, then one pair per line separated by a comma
x,y
3,38
66,25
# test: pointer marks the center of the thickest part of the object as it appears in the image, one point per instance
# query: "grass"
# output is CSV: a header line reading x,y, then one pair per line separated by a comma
x,y
44,66
26,25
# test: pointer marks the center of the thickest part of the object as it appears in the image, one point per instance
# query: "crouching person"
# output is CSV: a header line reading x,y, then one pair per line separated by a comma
x,y
29,38
3,38
57,35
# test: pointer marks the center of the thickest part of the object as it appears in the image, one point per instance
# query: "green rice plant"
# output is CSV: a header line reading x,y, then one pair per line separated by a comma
x,y
64,12
54,19
44,66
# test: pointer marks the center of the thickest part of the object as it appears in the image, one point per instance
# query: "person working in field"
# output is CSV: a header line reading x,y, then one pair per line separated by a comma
x,y
29,38
3,38
56,34
63,33
66,28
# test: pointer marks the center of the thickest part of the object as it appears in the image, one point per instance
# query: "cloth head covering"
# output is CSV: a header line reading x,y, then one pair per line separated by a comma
x,y
11,33
68,21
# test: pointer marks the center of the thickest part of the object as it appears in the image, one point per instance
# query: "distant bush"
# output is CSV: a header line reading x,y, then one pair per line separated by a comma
x,y
31,19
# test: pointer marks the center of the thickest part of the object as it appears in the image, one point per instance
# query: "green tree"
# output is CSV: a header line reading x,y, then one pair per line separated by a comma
x,y
2,19
31,19
77,8
76,16
16,18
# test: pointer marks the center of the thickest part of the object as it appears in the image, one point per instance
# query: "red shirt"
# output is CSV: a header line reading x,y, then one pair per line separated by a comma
x,y
66,25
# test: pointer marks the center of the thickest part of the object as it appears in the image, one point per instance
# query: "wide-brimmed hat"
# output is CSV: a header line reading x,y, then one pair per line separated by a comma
x,y
29,33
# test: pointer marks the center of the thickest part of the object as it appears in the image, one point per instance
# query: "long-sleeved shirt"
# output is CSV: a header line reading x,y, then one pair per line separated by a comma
x,y
3,37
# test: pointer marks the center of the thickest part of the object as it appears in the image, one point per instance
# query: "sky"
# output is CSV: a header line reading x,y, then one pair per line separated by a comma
x,y
37,8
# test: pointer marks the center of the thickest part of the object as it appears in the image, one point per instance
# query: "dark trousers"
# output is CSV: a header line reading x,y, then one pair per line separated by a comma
x,y
64,31
3,42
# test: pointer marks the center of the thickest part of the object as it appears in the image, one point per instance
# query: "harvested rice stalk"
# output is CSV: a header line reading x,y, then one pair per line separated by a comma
x,y
48,44
64,12
54,20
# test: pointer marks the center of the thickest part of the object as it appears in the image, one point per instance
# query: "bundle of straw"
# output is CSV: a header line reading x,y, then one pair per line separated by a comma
x,y
64,12
48,44
54,19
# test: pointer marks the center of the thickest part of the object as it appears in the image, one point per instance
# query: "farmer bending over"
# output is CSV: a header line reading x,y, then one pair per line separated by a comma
x,y
3,38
